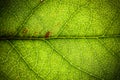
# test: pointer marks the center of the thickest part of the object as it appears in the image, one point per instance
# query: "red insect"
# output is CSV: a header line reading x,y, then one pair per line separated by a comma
x,y
47,34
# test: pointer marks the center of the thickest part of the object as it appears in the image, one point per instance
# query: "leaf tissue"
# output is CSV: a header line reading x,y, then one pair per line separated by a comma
x,y
59,39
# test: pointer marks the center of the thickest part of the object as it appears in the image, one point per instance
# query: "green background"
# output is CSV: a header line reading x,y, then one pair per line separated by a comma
x,y
59,39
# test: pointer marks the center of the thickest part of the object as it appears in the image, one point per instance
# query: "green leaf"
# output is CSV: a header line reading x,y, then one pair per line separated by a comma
x,y
59,39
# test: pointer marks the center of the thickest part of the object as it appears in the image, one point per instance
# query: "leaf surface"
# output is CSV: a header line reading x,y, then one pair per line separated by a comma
x,y
60,40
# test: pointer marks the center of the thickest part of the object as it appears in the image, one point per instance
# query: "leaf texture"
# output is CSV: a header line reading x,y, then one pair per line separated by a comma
x,y
59,39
